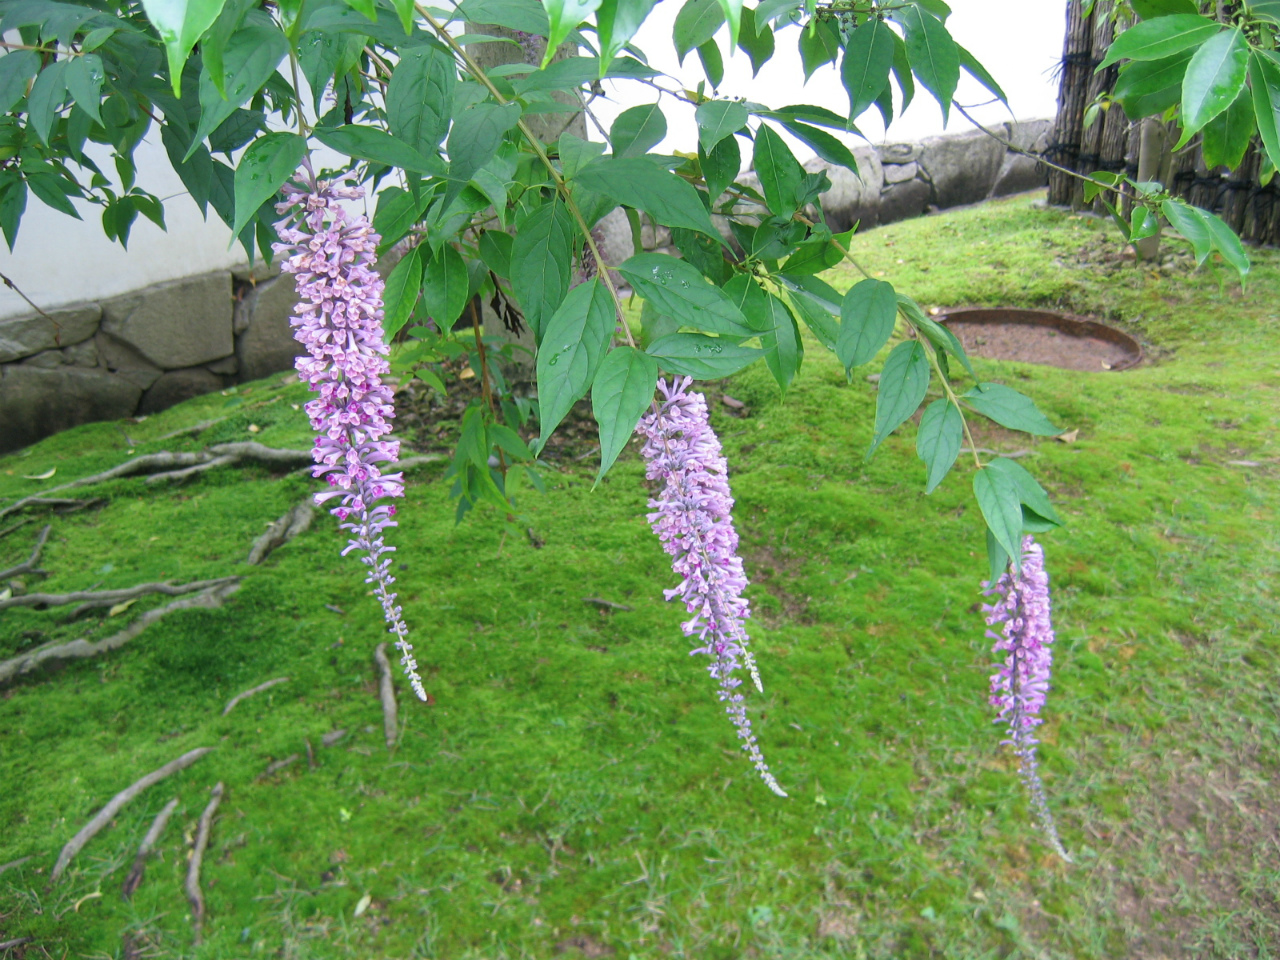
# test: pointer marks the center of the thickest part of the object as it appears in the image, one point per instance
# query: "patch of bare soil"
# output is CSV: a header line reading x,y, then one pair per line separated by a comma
x,y
1028,343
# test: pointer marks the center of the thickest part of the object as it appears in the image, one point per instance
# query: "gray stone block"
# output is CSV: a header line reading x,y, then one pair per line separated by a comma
x,y
1018,175
900,172
852,199
25,336
226,366
1030,134
899,152
178,324
902,201
175,386
46,360
35,403
128,363
267,346
963,168
82,354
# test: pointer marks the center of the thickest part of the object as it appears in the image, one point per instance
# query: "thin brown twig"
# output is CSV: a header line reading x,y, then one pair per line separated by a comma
x,y
116,803
231,704
134,879
34,306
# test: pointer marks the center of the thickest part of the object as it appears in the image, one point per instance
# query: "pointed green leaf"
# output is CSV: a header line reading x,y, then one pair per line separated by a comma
x,y
677,289
1001,507
935,59
867,316
1264,78
865,68
445,285
17,67
701,357
755,39
781,175
1160,38
938,441
1226,243
1189,221
1150,87
1029,490
1226,137
251,57
1011,409
616,23
1214,78
420,96
695,24
370,143
180,23
541,257
718,119
637,130
980,73
266,165
476,136
84,83
400,295
573,346
641,184
622,391
903,383
733,16
564,16
45,99
721,166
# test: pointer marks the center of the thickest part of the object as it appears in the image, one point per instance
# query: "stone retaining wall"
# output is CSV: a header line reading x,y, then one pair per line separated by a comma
x,y
138,354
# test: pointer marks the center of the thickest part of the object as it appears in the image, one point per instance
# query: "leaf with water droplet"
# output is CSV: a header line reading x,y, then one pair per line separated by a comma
x,y
583,323
677,289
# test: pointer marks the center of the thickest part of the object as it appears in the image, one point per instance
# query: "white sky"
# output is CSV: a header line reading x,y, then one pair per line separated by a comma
x,y
60,261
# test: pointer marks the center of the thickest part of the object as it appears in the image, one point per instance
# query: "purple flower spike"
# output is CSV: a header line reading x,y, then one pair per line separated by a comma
x,y
339,321
692,517
1019,686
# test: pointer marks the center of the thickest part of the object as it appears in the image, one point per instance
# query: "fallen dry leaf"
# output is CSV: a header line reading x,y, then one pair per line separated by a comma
x,y
121,607
42,476
1069,436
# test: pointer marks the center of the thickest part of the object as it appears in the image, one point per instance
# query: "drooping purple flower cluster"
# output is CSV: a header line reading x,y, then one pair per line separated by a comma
x,y
1020,684
693,519
339,321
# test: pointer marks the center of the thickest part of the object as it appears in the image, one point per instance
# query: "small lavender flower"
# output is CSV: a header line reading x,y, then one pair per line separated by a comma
x,y
692,517
1019,686
339,321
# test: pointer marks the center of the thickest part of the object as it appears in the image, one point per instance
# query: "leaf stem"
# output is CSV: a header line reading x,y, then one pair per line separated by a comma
x,y
562,188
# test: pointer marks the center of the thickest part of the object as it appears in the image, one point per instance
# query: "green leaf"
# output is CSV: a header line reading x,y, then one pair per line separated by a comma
x,y
541,257
53,191
677,289
639,183
366,8
1160,38
755,40
564,16
1147,9
1001,507
1226,137
637,130
575,153
404,284
976,70
616,23
695,24
17,67
935,60
1189,221
84,82
1011,409
45,99
405,9
1029,490
398,210
266,165
938,441
815,256
622,391
419,96
902,71
733,16
867,316
476,135
1215,76
180,23
1226,243
865,68
721,166
781,175
718,119
495,250
823,144
370,143
783,349
445,285
712,62
576,338
701,357
903,383
251,57
819,45
13,202
1150,87
1264,78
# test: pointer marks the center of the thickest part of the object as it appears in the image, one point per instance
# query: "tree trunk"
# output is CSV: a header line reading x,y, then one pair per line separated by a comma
x,y
1077,65
1151,148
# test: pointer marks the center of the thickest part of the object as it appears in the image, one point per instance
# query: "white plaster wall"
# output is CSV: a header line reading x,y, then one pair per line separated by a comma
x,y
59,260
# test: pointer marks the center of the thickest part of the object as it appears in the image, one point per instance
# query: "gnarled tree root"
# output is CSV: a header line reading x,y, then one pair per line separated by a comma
x,y
293,523
114,805
194,896
82,649
134,880
28,567
231,704
94,599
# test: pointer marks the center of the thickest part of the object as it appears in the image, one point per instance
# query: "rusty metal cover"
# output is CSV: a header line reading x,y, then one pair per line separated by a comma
x,y
1042,336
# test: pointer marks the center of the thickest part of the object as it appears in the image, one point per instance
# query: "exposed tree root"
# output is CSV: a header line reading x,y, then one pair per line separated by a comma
x,y
107,813
10,944
605,604
194,895
311,754
277,766
387,692
13,864
231,704
82,649
134,880
93,599
28,567
293,523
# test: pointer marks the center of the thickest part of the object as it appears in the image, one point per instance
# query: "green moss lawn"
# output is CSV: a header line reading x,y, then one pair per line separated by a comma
x,y
576,787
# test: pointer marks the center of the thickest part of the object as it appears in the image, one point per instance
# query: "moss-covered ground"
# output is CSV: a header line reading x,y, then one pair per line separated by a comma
x,y
576,786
